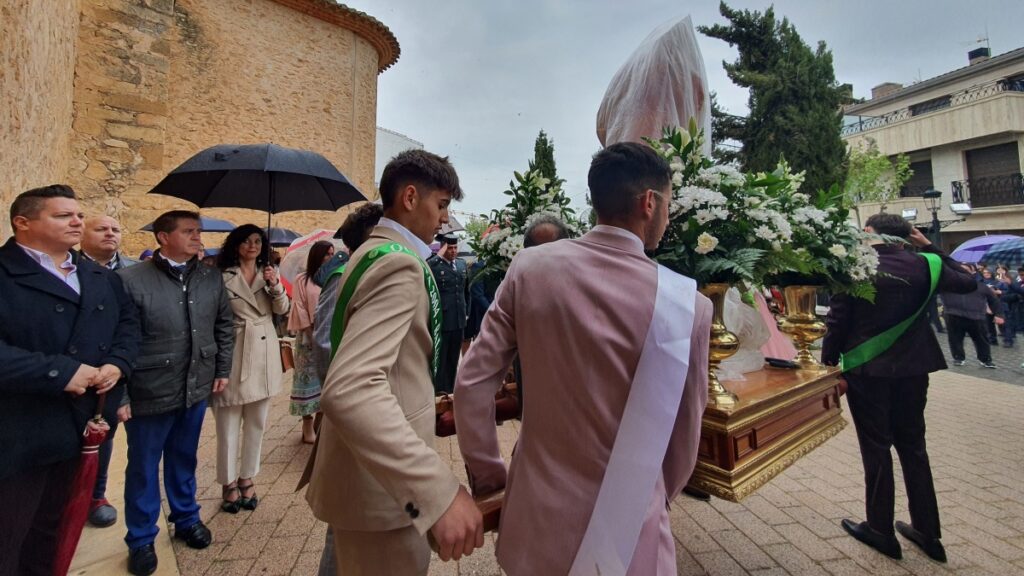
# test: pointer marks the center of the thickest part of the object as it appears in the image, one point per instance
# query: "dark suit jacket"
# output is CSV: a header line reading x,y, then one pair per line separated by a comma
x,y
46,333
451,283
902,284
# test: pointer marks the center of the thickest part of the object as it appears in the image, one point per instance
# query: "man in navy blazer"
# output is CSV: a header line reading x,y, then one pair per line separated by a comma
x,y
68,332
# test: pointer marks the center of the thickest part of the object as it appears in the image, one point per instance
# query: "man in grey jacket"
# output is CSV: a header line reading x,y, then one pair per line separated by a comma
x,y
965,314
185,355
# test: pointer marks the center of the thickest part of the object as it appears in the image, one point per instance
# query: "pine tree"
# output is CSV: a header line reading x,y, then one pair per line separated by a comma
x,y
793,98
544,158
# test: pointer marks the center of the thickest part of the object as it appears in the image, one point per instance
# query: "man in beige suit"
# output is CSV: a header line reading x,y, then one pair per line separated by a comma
x,y
375,477
582,316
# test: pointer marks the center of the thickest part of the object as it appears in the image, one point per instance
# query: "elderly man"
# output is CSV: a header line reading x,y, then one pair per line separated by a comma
x,y
68,333
888,384
613,408
101,243
186,353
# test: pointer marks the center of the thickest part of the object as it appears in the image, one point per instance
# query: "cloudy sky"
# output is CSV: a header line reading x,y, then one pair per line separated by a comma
x,y
478,80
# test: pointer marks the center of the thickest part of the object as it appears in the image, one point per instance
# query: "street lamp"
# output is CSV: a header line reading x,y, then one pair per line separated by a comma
x,y
931,200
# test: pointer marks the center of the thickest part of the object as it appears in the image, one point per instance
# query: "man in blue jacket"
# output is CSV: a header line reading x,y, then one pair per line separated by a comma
x,y
68,333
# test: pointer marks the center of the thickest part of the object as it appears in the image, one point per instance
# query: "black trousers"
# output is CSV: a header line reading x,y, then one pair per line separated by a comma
x,y
933,314
31,503
957,326
451,346
889,412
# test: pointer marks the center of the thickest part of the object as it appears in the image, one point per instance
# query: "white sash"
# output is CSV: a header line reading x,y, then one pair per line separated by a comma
x,y
642,440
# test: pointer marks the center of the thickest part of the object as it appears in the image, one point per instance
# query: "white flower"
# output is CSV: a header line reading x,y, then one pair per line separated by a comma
x,y
676,165
838,250
764,232
776,246
705,243
686,138
677,179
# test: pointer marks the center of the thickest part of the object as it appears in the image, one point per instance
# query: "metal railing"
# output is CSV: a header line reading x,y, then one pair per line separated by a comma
x,y
1005,190
956,99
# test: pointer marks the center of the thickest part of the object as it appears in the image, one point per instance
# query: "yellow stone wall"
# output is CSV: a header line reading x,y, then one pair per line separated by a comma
x,y
110,95
37,55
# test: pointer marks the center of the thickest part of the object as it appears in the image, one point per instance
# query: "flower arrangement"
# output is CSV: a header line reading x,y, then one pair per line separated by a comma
x,y
756,229
532,196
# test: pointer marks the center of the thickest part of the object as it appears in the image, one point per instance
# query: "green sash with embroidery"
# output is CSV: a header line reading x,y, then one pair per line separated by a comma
x,y
356,273
876,345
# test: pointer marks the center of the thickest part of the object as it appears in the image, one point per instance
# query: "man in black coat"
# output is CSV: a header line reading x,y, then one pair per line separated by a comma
x,y
887,394
68,332
450,273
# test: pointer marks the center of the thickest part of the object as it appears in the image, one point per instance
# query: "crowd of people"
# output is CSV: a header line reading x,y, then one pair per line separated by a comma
x,y
994,309
379,331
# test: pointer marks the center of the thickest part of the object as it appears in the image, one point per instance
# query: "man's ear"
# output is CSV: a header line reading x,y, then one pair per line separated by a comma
x,y
161,238
408,197
648,204
19,223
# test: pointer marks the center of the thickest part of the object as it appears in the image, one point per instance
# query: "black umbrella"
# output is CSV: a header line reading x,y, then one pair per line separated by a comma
x,y
264,177
282,236
206,224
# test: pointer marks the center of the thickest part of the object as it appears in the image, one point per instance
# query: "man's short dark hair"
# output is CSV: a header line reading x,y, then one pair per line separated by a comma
x,y
889,224
168,221
425,170
621,172
562,231
30,202
357,226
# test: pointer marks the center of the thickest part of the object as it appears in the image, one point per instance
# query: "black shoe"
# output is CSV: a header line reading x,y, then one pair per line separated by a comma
x,y
887,545
697,494
197,536
142,560
102,514
988,364
930,546
959,362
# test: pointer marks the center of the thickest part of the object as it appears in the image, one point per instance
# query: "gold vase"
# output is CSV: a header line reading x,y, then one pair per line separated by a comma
x,y
723,344
801,323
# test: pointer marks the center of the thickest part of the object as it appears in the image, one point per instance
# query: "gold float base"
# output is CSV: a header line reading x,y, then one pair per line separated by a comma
x,y
781,415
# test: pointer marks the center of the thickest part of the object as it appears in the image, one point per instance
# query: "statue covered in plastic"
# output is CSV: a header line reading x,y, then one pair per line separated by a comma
x,y
661,84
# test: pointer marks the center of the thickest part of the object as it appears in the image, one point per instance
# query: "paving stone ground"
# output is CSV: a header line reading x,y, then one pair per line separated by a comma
x,y
790,526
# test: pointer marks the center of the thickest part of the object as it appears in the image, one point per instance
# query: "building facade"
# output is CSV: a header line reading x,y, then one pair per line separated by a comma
x,y
110,95
963,132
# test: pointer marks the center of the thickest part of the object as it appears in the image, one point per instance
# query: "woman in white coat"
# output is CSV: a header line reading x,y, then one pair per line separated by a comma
x,y
255,294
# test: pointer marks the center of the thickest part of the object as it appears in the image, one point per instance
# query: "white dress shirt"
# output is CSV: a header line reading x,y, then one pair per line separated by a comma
x,y
419,246
44,260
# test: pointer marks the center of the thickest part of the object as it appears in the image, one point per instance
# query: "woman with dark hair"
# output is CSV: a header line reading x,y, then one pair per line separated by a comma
x,y
305,382
255,294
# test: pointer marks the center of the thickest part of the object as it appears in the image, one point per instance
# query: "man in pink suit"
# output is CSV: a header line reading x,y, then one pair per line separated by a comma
x,y
578,313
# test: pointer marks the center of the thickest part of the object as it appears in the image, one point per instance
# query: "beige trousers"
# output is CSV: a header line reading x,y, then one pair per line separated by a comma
x,y
240,425
402,552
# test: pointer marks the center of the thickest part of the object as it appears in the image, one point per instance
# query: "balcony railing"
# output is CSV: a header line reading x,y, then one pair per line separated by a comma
x,y
1006,190
952,101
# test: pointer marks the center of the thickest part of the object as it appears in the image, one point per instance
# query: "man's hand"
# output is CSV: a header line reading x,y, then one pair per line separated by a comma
x,y
82,380
460,530
999,321
124,413
843,385
917,238
107,377
219,384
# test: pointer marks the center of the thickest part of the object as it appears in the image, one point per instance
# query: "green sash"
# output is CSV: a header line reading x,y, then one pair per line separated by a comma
x,y
873,347
338,323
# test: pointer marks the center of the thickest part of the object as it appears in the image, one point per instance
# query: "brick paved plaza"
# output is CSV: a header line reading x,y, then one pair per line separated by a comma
x,y
790,526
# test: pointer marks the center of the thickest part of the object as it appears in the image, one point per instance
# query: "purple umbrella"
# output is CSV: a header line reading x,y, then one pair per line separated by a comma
x,y
973,249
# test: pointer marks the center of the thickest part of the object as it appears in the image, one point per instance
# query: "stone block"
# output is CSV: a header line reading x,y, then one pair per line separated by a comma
x,y
89,126
139,133
135,104
151,120
110,154
115,143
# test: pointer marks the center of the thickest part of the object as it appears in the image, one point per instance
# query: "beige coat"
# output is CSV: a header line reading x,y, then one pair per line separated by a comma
x,y
374,467
256,364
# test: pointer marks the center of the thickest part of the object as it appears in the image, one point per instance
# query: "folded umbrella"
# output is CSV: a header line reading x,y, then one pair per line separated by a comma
x,y
80,497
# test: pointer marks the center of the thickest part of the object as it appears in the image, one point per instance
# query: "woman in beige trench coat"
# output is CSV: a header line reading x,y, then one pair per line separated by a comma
x,y
255,294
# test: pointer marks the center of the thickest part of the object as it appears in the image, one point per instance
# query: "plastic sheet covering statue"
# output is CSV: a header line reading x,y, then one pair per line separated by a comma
x,y
746,322
661,84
